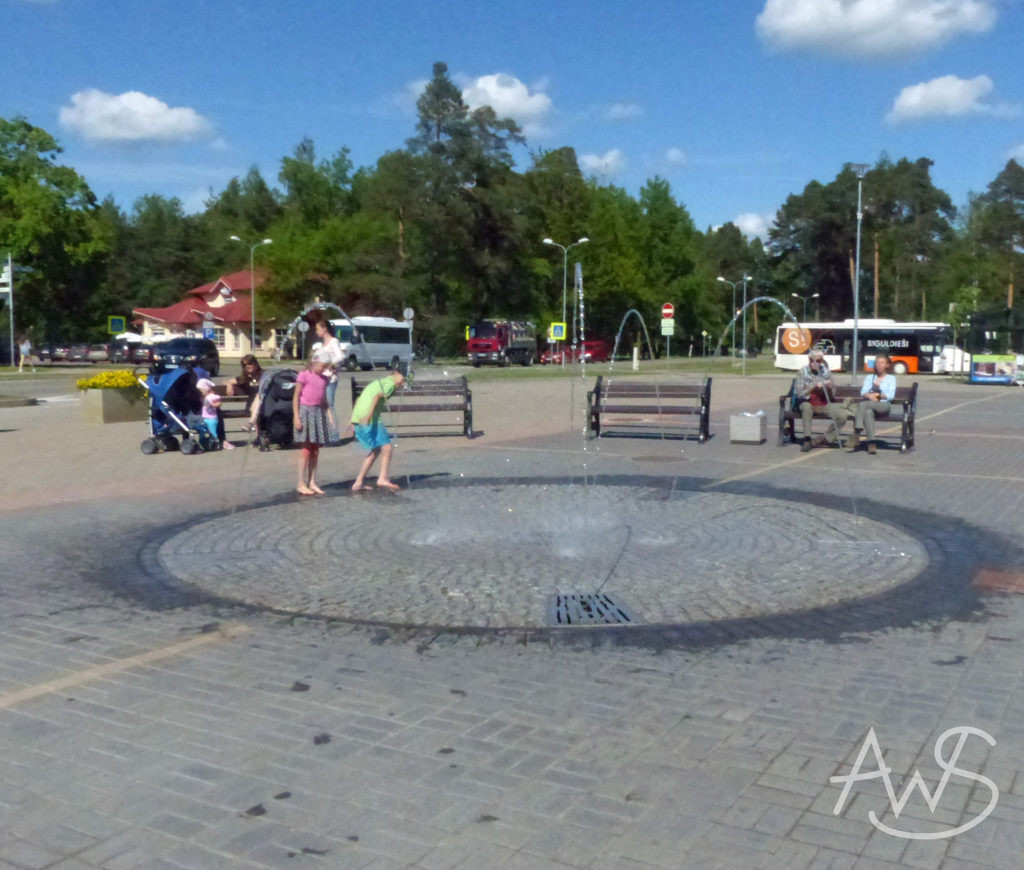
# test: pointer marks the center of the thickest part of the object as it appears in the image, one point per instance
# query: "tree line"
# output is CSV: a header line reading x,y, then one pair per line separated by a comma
x,y
448,226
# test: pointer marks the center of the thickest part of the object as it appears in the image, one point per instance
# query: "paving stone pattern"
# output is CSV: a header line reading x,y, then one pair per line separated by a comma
x,y
494,555
315,743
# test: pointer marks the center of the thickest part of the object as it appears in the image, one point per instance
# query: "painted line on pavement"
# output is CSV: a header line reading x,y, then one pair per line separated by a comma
x,y
9,699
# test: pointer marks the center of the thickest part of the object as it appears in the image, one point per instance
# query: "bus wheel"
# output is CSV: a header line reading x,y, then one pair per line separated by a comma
x,y
899,368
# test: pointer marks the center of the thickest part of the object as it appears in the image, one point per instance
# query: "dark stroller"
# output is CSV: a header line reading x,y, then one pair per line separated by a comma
x,y
275,419
175,410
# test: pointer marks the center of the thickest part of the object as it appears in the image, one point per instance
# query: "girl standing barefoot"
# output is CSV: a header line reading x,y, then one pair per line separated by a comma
x,y
311,422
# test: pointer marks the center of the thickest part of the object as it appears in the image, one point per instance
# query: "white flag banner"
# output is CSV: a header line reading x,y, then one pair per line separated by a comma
x,y
5,275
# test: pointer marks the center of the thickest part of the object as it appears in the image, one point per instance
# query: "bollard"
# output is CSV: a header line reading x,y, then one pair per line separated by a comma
x,y
636,358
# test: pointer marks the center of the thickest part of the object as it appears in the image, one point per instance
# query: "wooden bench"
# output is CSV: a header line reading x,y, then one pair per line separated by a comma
x,y
423,396
645,408
903,410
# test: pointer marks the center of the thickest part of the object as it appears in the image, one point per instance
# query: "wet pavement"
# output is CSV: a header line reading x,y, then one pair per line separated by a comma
x,y
199,668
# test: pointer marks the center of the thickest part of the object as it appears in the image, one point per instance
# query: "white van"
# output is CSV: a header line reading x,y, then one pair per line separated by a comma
x,y
374,341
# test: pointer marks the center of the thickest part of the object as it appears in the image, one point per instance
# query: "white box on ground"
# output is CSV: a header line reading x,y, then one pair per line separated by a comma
x,y
748,428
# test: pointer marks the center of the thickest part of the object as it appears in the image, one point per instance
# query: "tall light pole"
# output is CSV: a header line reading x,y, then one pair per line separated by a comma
x,y
805,298
746,278
860,169
565,270
252,289
733,309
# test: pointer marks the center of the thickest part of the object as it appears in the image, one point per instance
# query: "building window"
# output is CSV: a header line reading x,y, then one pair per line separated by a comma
x,y
259,340
237,339
218,337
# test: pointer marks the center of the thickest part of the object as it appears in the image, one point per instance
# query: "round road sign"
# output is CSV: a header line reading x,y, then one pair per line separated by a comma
x,y
668,310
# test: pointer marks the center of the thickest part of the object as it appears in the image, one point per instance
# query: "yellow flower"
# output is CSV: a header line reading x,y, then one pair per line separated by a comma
x,y
113,380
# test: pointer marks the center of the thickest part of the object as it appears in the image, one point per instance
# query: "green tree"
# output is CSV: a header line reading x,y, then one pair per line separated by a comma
x,y
51,224
1001,224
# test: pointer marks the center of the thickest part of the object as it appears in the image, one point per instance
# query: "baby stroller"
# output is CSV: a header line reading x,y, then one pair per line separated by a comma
x,y
175,409
275,419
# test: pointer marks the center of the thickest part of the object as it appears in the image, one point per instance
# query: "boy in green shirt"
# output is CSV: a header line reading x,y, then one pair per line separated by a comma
x,y
370,432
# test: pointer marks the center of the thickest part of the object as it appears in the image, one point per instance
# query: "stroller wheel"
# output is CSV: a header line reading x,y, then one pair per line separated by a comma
x,y
188,447
148,446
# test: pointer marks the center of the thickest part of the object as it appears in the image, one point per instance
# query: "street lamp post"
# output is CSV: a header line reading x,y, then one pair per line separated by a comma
x,y
733,284
733,309
746,278
565,271
804,299
860,169
252,289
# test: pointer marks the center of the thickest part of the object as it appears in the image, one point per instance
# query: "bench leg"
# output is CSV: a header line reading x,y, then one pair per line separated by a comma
x,y
467,417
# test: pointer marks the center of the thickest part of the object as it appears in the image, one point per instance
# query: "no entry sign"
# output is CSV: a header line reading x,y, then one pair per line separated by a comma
x,y
668,311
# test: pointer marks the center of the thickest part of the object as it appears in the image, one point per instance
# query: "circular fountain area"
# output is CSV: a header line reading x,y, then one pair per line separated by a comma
x,y
496,554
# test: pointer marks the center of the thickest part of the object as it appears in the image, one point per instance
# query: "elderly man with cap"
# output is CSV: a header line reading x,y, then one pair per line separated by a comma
x,y
812,391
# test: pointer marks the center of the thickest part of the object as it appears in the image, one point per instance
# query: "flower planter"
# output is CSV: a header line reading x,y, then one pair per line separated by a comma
x,y
113,406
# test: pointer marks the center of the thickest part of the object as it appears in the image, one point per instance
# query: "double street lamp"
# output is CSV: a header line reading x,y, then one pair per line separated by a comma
x,y
565,269
733,284
805,298
252,288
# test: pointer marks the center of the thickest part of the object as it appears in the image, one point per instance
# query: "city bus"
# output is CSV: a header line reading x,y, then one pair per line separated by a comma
x,y
915,347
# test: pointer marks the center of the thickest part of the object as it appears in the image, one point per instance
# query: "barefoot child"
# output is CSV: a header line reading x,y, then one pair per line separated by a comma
x,y
312,429
370,432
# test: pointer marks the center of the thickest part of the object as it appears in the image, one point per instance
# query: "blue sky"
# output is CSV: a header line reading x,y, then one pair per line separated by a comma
x,y
738,103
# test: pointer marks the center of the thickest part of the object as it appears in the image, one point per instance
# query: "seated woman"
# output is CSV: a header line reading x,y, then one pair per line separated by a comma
x,y
248,384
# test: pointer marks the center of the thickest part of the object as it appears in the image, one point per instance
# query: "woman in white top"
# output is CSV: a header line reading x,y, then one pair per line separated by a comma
x,y
330,346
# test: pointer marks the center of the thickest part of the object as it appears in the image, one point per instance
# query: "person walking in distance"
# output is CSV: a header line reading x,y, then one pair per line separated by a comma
x,y
25,353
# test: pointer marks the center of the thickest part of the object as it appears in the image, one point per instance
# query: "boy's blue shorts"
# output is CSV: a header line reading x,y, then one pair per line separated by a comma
x,y
372,435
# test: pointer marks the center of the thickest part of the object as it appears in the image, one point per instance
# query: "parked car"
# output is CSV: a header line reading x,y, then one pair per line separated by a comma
x,y
594,350
53,352
98,353
178,352
141,353
119,351
78,353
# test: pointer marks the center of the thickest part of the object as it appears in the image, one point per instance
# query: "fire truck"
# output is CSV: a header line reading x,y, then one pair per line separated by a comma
x,y
501,343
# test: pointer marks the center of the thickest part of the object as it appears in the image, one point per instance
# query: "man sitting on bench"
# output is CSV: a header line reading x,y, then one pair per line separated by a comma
x,y
811,391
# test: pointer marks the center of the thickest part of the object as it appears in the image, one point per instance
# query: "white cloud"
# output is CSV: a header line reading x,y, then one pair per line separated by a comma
x,y
675,157
871,27
624,111
509,98
754,225
131,117
607,165
947,97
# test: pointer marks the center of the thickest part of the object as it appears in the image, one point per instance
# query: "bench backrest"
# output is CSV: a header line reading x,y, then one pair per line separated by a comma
x,y
633,389
451,387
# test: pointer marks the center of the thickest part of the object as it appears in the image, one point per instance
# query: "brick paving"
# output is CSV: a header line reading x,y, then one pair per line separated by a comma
x,y
310,742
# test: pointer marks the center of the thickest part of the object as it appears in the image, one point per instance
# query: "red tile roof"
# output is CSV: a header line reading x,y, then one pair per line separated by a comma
x,y
240,281
190,311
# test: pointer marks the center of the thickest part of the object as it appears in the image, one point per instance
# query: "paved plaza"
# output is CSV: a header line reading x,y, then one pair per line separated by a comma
x,y
201,669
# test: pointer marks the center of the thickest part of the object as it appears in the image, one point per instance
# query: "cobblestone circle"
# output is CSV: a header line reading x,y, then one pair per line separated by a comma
x,y
494,555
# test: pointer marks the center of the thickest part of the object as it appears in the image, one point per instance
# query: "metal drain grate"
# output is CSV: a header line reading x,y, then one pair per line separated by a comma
x,y
582,608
